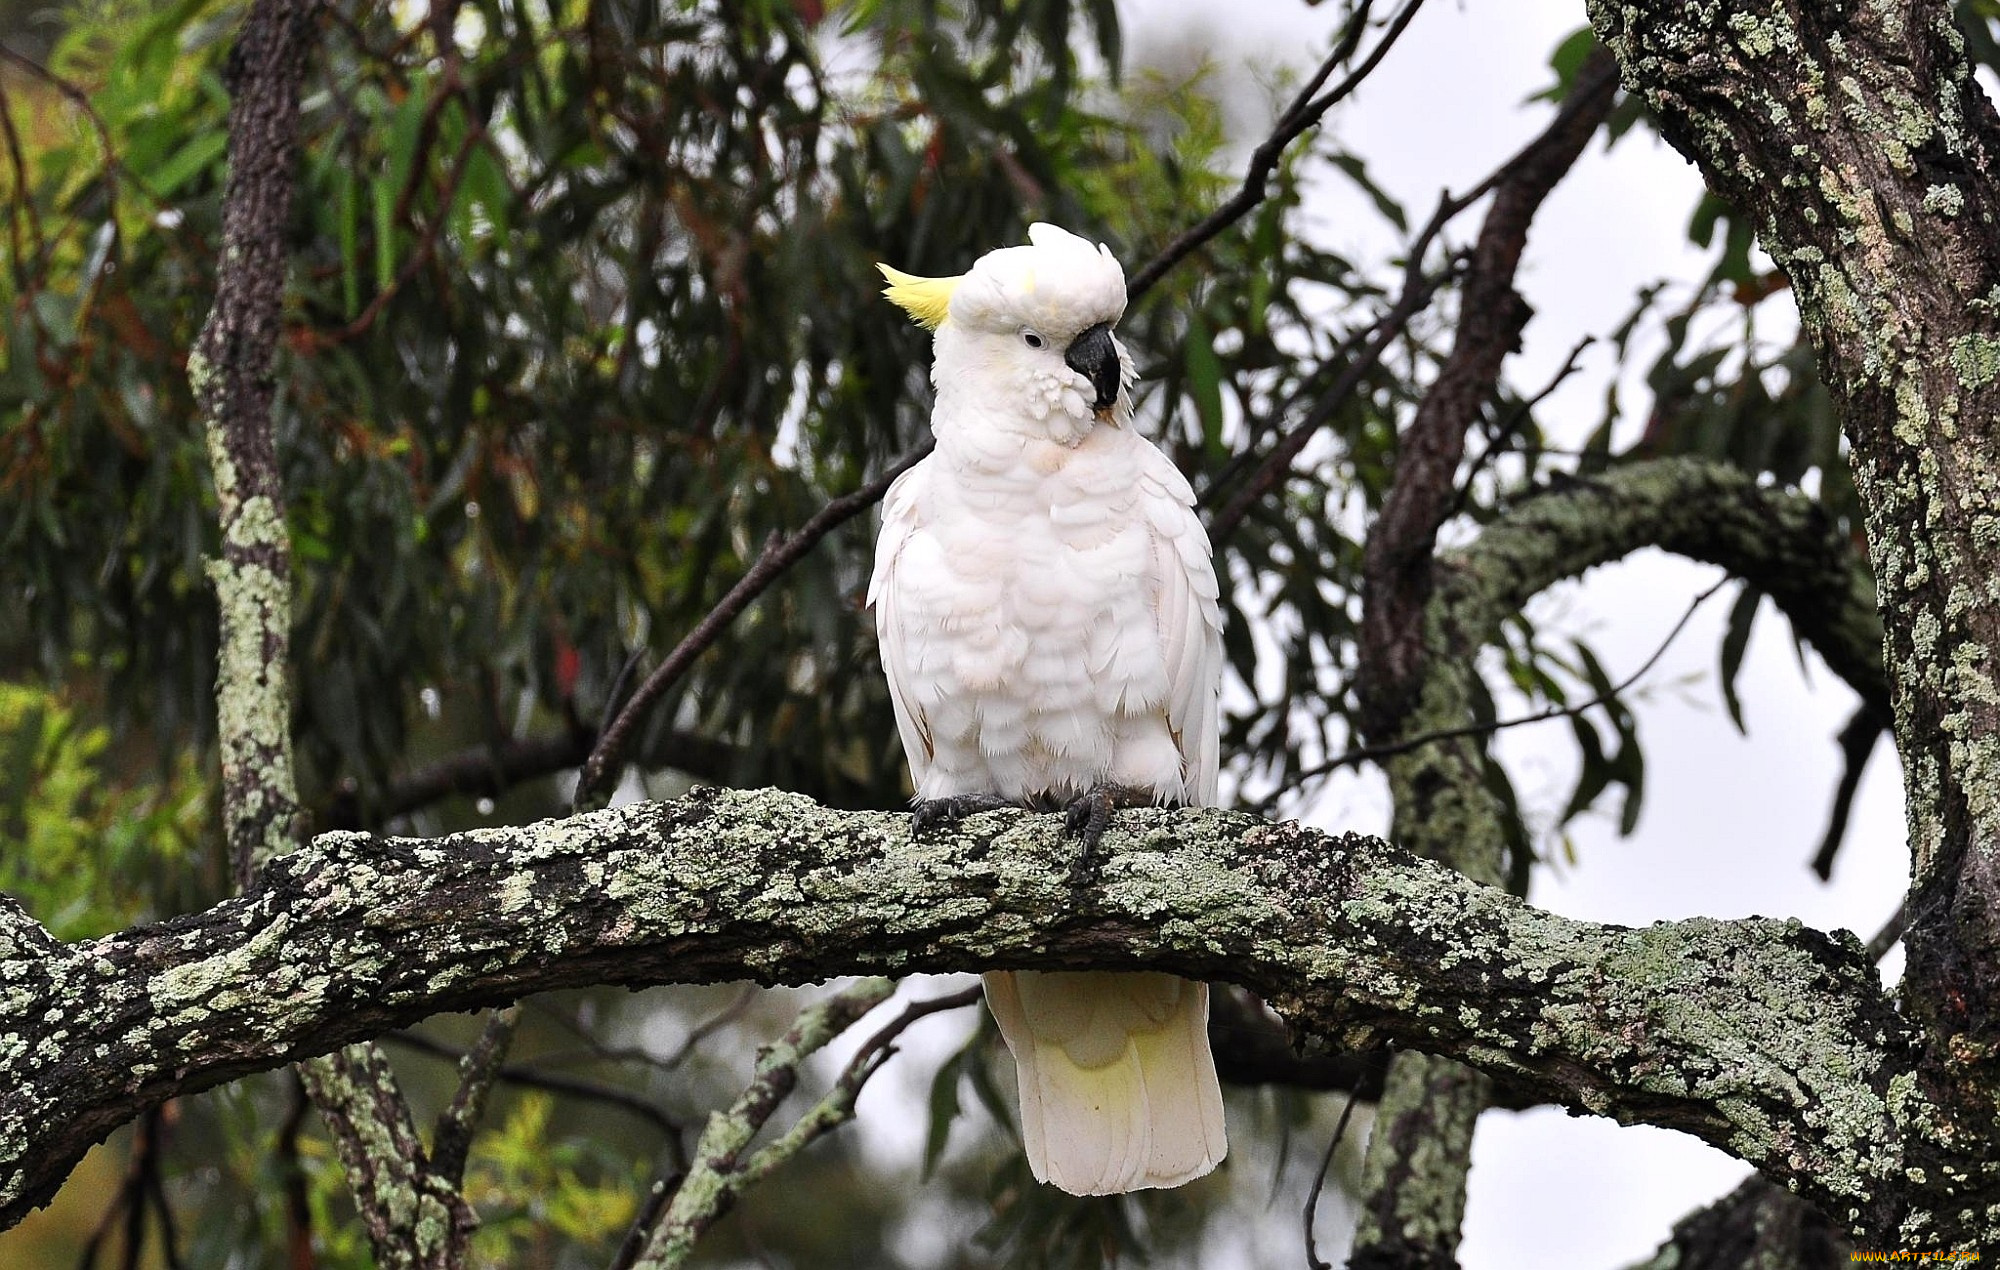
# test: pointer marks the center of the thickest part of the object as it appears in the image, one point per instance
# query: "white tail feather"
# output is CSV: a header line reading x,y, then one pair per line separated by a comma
x,y
1118,1088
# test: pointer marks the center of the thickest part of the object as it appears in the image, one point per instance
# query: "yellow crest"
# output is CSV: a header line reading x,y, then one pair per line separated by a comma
x,y
928,300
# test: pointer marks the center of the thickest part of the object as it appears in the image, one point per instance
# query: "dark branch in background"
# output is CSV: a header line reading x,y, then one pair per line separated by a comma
x,y
1371,753
1418,288
1304,111
779,554
22,204
451,1139
1397,560
527,1076
1374,1059
292,1178
138,1190
1857,742
426,246
1755,1225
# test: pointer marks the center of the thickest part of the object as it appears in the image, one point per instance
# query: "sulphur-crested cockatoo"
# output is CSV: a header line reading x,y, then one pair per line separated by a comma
x,y
1047,613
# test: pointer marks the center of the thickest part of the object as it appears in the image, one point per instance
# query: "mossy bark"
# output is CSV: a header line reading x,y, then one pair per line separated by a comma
x,y
1770,1040
1856,139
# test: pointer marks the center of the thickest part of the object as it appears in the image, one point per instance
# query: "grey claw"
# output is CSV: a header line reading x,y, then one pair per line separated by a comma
x,y
932,813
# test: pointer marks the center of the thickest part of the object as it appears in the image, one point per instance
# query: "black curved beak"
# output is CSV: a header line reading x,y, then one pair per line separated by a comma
x,y
1093,355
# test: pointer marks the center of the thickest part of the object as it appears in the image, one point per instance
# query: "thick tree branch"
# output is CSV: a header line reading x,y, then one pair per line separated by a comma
x,y
415,1218
1770,1040
230,372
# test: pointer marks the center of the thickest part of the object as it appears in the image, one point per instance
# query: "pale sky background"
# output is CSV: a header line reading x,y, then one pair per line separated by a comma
x,y
1730,822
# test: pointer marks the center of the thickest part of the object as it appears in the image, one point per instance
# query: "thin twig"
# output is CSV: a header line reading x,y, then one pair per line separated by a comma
x,y
596,1050
1891,933
425,249
1504,434
778,555
1319,1179
1369,753
1418,287
710,1026
528,1077
22,201
1304,111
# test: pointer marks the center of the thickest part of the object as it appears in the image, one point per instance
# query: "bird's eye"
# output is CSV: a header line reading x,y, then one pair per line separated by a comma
x,y
1033,339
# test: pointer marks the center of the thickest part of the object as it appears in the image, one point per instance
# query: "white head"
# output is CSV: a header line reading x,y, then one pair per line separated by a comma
x,y
1024,337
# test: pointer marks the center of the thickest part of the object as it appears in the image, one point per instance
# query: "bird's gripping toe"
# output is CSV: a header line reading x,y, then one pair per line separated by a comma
x,y
931,813
1089,815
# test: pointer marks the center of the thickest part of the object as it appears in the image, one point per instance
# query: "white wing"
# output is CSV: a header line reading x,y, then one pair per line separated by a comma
x,y
901,516
1190,621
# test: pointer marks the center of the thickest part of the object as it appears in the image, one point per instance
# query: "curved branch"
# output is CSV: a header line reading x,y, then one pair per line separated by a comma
x,y
1783,543
1770,1040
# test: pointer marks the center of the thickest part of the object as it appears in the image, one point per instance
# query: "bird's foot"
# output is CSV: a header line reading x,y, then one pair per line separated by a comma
x,y
1089,815
933,813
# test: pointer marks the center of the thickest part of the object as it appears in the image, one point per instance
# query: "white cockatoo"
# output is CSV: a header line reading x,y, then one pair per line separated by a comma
x,y
1047,612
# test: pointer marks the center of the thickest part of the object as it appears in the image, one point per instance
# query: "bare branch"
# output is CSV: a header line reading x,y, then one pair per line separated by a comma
x,y
1304,111
778,555
1372,753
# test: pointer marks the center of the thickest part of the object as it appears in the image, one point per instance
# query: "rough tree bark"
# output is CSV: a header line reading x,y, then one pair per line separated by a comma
x,y
1854,135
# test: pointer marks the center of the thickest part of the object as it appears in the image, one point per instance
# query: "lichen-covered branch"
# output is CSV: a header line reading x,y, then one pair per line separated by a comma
x,y
1768,1039
230,371
414,1215
719,1171
1855,138
1754,1227
1784,544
